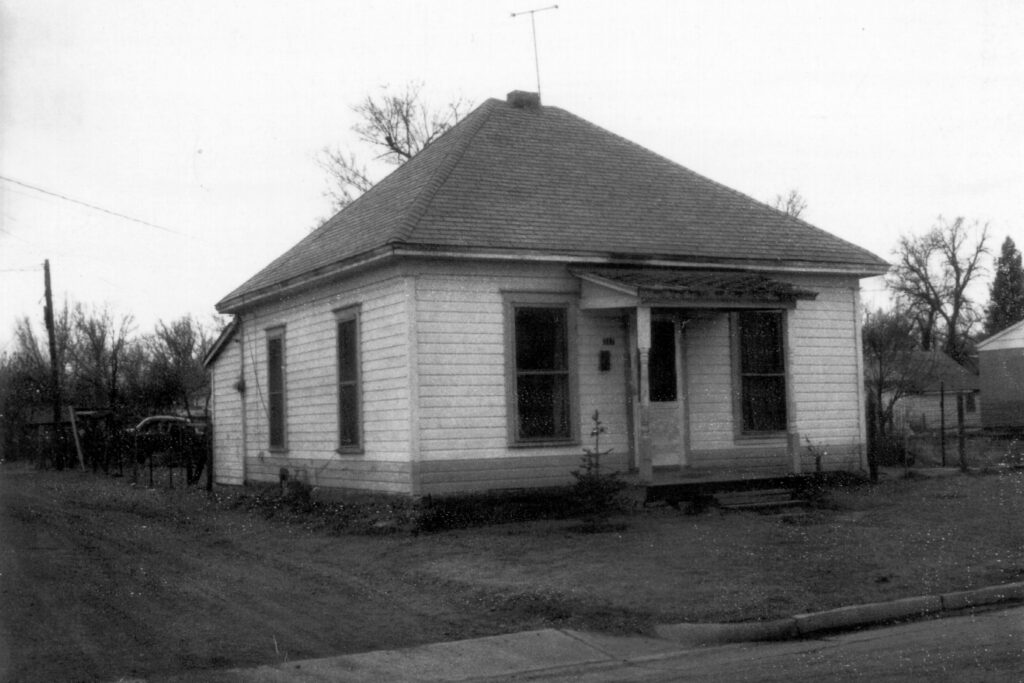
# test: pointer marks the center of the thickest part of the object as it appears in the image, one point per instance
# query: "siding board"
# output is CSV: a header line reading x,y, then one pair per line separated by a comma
x,y
311,391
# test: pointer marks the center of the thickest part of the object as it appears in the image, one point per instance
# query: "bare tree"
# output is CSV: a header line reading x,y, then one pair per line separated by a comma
x,y
931,279
793,204
33,357
394,126
177,352
893,363
894,366
97,352
26,378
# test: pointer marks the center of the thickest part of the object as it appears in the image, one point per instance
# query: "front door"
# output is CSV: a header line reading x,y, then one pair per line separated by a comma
x,y
666,393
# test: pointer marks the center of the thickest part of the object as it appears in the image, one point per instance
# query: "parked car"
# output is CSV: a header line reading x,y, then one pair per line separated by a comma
x,y
169,440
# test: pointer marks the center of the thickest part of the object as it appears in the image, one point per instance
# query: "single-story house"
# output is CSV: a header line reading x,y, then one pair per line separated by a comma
x,y
456,327
937,384
1001,364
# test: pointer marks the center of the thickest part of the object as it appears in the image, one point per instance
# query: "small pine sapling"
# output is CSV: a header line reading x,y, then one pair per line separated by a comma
x,y
816,453
596,492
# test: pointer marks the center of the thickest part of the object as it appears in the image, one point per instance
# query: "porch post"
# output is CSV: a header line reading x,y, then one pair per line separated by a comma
x,y
643,345
792,435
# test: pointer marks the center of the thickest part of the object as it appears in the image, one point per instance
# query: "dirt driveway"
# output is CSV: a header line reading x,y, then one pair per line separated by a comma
x,y
92,591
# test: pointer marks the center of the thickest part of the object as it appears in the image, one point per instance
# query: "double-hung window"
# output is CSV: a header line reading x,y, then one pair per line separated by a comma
x,y
541,405
762,372
349,390
276,388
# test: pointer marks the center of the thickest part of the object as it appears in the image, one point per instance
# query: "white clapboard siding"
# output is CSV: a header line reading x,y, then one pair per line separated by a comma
x,y
824,365
452,434
823,369
226,415
311,401
604,392
463,412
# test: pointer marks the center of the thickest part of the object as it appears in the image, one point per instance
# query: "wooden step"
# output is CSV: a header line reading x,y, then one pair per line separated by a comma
x,y
753,499
765,505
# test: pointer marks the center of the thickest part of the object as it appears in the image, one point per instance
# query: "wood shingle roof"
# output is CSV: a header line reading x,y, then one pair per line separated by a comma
x,y
539,180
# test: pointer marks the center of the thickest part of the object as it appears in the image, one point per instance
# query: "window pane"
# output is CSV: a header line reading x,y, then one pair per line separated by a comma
x,y
348,384
541,339
347,370
543,405
662,364
274,364
764,404
275,390
348,417
761,342
276,420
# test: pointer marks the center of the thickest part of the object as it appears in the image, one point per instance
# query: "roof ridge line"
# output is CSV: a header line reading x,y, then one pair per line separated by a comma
x,y
451,160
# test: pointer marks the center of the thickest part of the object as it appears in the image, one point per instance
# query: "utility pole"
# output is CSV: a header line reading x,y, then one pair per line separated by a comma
x,y
57,454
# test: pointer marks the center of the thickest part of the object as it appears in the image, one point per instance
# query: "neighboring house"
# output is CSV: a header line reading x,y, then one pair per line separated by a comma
x,y
1001,361
931,400
38,430
455,328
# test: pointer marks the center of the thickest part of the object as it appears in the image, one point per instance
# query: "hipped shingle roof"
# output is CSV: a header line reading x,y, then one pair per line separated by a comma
x,y
539,180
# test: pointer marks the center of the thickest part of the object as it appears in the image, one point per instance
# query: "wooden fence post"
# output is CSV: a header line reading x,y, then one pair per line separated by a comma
x,y
961,444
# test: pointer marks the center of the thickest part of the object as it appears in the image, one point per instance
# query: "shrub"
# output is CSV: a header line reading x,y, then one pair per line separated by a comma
x,y
596,492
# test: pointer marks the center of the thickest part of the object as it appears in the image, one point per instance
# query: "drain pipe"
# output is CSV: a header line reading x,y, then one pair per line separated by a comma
x,y
240,386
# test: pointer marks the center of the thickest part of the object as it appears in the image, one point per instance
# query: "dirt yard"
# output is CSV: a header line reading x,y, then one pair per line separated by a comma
x,y
100,580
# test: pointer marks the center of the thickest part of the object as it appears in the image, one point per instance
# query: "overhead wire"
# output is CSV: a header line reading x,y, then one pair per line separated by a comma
x,y
94,207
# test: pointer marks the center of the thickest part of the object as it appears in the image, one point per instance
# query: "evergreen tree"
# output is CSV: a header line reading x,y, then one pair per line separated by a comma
x,y
1006,294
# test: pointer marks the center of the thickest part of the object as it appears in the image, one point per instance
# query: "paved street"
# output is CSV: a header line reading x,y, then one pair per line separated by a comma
x,y
988,646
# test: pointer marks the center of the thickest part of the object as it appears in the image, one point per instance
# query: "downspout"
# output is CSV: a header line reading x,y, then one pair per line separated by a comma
x,y
793,452
241,392
859,346
412,355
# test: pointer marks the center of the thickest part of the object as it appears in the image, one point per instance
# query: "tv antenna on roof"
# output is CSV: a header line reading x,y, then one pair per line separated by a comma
x,y
533,25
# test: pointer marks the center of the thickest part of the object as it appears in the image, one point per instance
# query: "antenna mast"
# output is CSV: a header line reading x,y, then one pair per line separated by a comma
x,y
533,25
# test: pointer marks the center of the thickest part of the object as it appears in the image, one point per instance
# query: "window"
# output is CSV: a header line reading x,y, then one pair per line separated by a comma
x,y
541,393
662,363
349,425
970,403
275,387
762,371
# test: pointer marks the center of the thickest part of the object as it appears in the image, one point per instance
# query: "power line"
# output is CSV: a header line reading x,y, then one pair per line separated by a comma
x,y
92,206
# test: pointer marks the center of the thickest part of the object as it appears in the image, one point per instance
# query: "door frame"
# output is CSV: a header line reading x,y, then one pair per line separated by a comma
x,y
682,411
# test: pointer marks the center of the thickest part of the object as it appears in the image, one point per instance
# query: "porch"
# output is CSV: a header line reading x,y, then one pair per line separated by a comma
x,y
709,372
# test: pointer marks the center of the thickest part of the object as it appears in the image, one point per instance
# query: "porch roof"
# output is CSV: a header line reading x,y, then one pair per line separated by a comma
x,y
615,288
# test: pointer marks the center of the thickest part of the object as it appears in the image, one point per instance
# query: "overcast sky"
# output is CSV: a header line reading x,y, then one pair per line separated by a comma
x,y
204,118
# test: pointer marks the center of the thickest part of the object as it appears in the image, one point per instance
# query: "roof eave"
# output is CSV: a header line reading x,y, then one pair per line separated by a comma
x,y
375,257
247,300
999,335
859,270
221,342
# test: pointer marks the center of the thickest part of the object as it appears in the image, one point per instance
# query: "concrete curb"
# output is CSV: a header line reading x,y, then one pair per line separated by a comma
x,y
842,618
715,634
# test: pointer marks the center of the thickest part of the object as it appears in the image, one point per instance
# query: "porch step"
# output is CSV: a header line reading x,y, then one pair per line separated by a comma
x,y
758,499
764,492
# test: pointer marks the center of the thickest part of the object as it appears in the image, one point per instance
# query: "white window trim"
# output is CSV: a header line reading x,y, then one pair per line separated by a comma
x,y
342,315
512,301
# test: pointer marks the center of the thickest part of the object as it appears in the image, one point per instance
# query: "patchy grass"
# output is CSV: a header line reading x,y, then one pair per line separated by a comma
x,y
863,544
859,543
237,578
